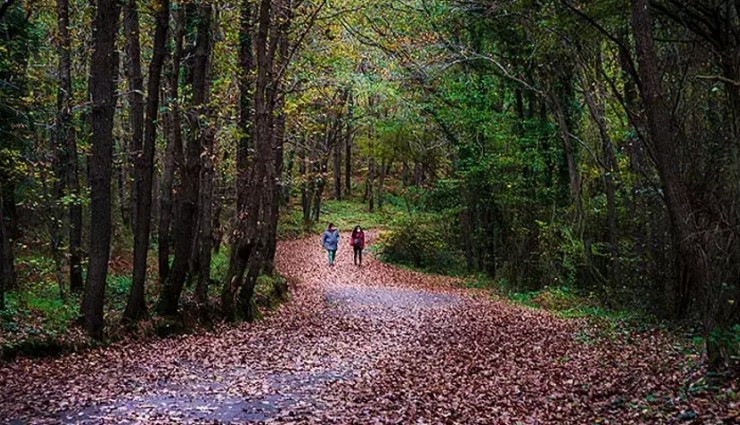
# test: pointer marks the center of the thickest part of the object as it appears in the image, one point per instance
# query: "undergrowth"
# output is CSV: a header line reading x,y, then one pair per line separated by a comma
x,y
344,214
38,321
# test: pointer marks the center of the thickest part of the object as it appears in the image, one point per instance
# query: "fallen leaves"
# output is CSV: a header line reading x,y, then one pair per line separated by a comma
x,y
371,345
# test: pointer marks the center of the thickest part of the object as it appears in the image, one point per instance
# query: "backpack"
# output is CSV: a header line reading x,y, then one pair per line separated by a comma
x,y
357,242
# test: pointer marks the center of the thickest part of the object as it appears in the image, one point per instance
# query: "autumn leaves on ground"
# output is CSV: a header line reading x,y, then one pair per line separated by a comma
x,y
375,344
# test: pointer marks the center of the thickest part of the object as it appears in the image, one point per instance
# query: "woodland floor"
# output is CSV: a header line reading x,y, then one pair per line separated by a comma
x,y
373,345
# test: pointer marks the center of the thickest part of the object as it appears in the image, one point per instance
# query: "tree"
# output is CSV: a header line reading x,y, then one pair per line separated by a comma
x,y
185,226
102,87
6,275
67,143
135,79
174,152
136,306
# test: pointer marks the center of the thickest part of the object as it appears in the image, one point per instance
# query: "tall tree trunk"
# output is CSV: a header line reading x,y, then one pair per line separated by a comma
x,y
6,256
64,132
136,108
348,132
263,172
384,168
169,298
246,104
240,247
664,139
102,89
306,189
205,221
338,166
319,188
250,246
573,173
136,306
66,136
174,153
75,220
278,140
596,109
371,184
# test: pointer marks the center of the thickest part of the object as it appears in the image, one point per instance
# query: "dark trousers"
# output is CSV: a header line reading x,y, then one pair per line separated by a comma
x,y
358,255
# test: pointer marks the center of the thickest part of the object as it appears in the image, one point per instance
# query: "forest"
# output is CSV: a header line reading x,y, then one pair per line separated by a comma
x,y
163,163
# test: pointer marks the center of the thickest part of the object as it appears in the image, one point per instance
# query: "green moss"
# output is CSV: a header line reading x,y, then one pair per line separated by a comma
x,y
270,291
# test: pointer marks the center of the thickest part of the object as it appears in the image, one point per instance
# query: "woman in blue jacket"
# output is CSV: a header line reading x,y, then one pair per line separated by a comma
x,y
330,242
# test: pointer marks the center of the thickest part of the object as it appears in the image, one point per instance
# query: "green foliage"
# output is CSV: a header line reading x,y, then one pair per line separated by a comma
x,y
344,214
728,339
219,266
421,240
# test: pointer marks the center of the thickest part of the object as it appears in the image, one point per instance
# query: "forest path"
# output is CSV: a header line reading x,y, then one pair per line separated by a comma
x,y
375,344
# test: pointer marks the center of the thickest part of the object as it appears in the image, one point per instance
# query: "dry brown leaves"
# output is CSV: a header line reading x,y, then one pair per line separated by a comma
x,y
370,345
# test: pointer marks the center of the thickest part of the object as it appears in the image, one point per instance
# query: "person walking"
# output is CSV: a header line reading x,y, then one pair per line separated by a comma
x,y
358,244
330,242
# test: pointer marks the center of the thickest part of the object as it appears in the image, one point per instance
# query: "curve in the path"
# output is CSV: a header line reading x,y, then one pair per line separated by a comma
x,y
366,345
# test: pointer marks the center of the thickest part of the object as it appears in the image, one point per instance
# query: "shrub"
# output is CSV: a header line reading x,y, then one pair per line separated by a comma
x,y
422,240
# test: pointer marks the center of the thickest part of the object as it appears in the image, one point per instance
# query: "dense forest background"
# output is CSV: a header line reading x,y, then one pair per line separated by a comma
x,y
152,152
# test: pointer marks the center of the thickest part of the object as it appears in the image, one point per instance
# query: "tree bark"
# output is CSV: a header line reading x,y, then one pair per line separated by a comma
x,y
371,184
174,153
384,168
136,306
64,132
338,167
348,131
72,170
205,221
596,109
102,89
664,139
305,183
573,173
136,109
7,265
169,299
246,104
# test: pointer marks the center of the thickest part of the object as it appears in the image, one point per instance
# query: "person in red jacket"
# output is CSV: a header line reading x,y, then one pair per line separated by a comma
x,y
357,240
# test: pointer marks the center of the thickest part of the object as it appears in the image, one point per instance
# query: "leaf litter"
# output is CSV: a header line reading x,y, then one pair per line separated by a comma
x,y
372,345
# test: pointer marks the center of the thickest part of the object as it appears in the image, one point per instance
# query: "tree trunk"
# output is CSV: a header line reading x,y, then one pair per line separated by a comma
x,y
205,221
278,133
169,299
348,146
7,265
384,168
418,173
319,189
371,184
174,154
664,138
573,173
250,247
338,166
64,132
136,108
246,105
75,220
136,306
596,109
102,89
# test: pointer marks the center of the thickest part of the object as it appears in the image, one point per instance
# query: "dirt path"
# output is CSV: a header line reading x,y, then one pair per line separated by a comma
x,y
365,345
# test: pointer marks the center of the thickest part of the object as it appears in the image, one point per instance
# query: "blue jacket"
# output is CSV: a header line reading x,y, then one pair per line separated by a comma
x,y
330,240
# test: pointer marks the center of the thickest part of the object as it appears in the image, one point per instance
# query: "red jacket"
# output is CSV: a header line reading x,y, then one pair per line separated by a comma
x,y
360,238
